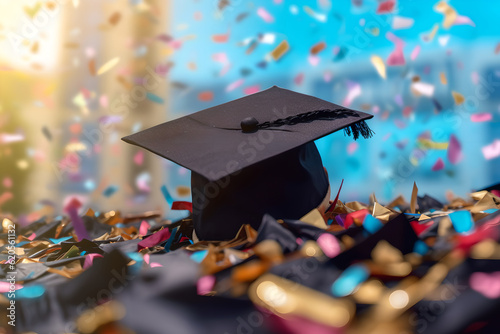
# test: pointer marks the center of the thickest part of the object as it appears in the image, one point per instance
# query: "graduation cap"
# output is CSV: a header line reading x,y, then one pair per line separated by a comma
x,y
252,156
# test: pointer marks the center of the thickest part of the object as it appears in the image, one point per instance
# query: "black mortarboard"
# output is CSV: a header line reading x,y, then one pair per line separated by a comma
x,y
252,156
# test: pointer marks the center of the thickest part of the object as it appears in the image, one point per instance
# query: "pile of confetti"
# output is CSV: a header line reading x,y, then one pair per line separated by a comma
x,y
402,267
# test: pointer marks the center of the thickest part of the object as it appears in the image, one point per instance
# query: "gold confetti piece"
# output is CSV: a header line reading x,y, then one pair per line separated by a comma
x,y
314,218
280,50
427,143
32,11
115,18
450,14
442,76
108,66
92,68
413,202
22,164
317,48
183,191
379,65
35,47
459,98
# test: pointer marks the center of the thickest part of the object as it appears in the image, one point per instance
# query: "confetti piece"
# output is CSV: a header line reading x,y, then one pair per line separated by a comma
x,y
143,229
313,60
317,48
264,14
459,98
7,182
221,38
379,65
372,224
32,11
58,241
154,98
115,18
399,22
154,239
6,138
110,190
329,245
89,259
166,194
267,38
481,117
280,50
354,90
443,79
206,96
199,256
462,221
349,280
464,20
491,151
251,89
423,88
299,78
6,287
352,147
232,86
182,205
108,66
415,52
443,40
155,265
142,182
78,225
454,152
487,284
205,284
317,16
438,165
396,57
413,202
386,7
31,291
429,36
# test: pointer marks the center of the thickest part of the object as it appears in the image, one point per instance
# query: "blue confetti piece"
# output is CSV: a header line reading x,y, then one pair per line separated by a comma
x,y
199,256
120,225
420,247
462,221
154,98
83,253
372,224
30,291
171,239
166,194
136,267
349,280
490,210
22,243
110,191
58,241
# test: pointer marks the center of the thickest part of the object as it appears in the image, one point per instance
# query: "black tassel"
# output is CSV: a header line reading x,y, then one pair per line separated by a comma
x,y
359,128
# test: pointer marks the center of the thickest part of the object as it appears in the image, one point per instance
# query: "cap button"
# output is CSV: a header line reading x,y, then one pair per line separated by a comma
x,y
249,124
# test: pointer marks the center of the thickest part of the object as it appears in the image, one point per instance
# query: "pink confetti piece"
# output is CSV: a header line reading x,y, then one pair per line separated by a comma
x,y
354,90
439,165
415,52
103,101
6,287
329,244
232,86
399,22
398,99
299,78
89,259
327,76
386,7
464,20
155,265
139,158
7,182
396,58
352,147
251,89
299,241
407,111
205,284
143,229
32,236
474,77
146,258
313,60
491,151
481,117
264,14
487,284
454,152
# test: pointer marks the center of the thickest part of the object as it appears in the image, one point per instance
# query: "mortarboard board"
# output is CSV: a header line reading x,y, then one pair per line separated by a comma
x,y
252,156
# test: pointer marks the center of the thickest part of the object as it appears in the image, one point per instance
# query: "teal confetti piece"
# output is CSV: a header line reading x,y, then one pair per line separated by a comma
x,y
29,292
199,256
349,280
462,221
136,267
420,247
58,241
110,191
490,210
166,194
154,98
171,239
372,224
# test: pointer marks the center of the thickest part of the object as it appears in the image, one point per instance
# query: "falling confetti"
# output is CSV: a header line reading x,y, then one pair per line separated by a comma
x,y
454,152
379,65
265,15
280,50
108,66
458,98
